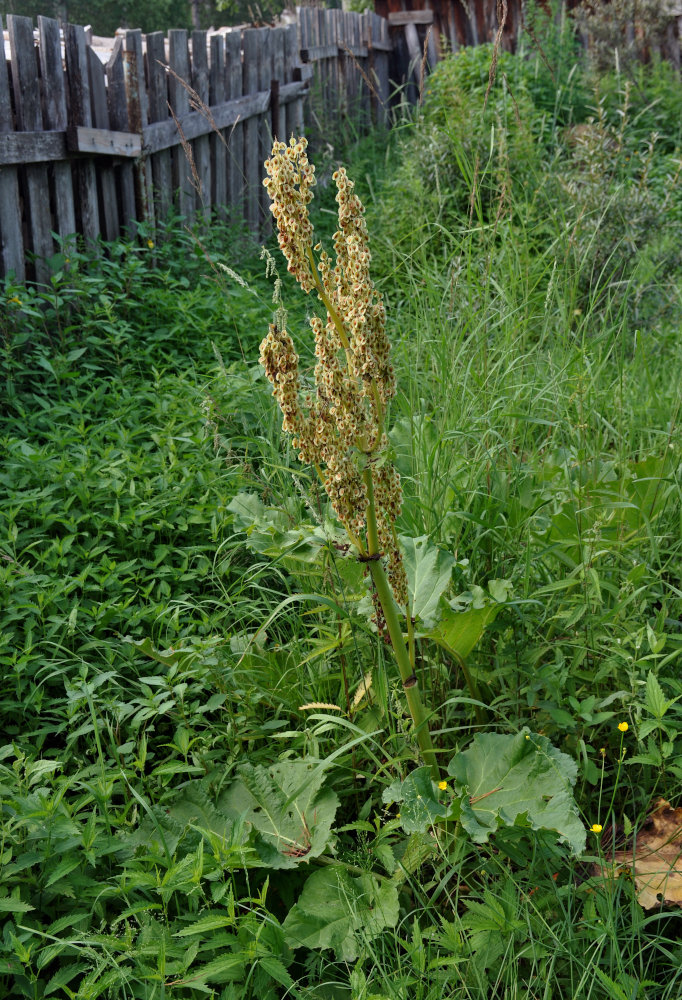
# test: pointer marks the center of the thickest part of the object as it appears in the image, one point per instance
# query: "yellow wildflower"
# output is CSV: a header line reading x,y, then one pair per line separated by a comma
x,y
623,726
150,244
596,828
442,785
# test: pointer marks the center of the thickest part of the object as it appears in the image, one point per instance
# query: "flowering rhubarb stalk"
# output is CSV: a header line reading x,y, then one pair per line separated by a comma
x,y
339,428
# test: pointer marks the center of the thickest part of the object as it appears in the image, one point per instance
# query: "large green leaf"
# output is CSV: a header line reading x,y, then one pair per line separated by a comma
x,y
339,911
517,780
429,570
272,532
288,807
420,805
459,631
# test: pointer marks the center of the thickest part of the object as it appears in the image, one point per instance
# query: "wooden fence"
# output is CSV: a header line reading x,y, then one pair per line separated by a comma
x,y
95,144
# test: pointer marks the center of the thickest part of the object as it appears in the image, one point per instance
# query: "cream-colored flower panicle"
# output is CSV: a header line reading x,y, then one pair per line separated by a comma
x,y
339,427
289,183
355,296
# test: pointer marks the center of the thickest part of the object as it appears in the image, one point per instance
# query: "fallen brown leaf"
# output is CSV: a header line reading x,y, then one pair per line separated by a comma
x,y
655,859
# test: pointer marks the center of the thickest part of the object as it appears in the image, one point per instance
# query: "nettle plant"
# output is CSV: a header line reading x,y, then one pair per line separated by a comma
x,y
339,427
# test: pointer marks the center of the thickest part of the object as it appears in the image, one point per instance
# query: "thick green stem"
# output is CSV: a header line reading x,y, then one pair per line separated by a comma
x,y
400,651
402,655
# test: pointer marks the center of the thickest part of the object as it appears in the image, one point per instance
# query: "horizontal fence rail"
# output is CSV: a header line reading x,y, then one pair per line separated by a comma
x,y
98,138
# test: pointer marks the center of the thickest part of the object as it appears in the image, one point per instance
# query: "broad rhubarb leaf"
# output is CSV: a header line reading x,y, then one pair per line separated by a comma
x,y
522,780
429,570
339,911
288,807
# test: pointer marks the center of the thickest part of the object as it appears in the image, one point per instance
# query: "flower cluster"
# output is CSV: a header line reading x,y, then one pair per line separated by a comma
x,y
289,183
355,295
340,426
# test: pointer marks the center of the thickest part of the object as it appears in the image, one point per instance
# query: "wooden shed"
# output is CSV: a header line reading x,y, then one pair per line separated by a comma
x,y
422,28
433,25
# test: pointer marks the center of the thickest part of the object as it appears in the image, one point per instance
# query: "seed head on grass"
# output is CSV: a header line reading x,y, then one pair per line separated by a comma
x,y
338,428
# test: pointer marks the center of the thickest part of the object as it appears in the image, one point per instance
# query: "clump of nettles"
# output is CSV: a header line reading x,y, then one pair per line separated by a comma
x,y
338,428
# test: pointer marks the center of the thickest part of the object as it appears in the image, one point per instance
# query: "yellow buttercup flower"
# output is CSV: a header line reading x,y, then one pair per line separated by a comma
x,y
442,785
596,828
623,726
150,244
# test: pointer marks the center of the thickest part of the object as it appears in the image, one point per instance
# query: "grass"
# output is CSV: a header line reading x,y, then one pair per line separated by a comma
x,y
171,597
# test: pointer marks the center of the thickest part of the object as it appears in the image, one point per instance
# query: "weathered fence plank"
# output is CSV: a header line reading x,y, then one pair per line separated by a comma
x,y
264,129
157,77
29,118
294,110
234,86
118,119
218,145
279,118
138,117
202,149
97,149
11,236
381,47
184,170
32,147
100,118
251,48
56,119
80,114
166,134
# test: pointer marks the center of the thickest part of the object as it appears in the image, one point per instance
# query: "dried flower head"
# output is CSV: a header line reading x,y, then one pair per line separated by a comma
x,y
289,183
340,426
